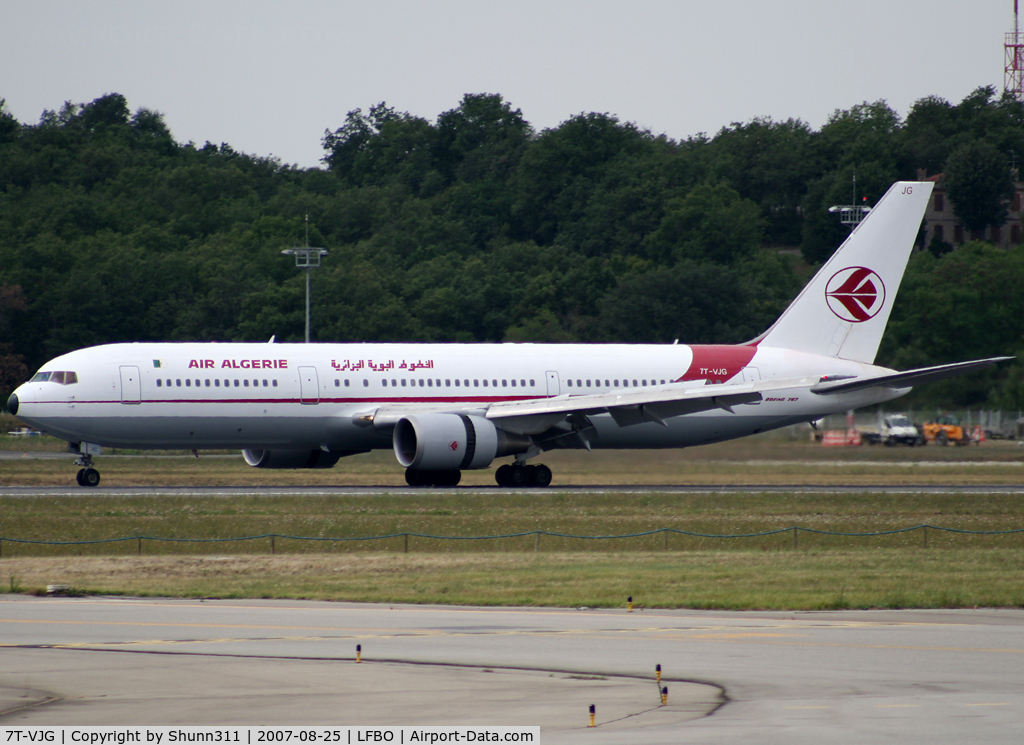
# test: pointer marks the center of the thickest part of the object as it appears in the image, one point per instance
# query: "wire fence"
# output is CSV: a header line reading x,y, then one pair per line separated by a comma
x,y
537,535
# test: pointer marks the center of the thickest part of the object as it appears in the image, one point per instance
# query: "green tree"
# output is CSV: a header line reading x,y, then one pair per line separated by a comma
x,y
711,223
979,183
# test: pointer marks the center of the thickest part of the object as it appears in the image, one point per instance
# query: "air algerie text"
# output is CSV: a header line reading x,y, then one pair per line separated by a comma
x,y
241,364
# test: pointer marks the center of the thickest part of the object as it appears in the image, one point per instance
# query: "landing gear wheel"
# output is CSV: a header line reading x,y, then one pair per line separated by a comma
x,y
89,477
78,477
502,475
540,475
518,476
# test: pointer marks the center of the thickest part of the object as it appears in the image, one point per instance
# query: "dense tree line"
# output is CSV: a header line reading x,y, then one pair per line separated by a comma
x,y
476,227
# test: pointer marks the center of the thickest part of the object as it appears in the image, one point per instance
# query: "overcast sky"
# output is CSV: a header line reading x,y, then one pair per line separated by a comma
x,y
269,77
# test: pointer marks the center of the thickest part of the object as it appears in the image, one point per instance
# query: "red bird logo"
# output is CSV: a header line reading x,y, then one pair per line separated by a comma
x,y
454,445
855,294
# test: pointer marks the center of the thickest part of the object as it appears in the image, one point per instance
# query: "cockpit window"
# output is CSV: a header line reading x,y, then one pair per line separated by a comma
x,y
64,377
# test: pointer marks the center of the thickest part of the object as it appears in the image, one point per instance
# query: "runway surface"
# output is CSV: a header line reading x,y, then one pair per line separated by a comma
x,y
384,491
760,677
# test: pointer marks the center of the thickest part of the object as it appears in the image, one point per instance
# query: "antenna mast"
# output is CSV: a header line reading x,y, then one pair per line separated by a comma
x,y
1013,79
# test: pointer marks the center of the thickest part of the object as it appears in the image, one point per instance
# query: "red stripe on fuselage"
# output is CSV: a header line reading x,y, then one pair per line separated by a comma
x,y
718,362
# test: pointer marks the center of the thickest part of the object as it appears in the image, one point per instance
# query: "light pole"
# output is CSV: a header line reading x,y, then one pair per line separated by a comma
x,y
308,258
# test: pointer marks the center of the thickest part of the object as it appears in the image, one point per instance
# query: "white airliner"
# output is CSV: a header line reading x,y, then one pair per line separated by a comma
x,y
445,408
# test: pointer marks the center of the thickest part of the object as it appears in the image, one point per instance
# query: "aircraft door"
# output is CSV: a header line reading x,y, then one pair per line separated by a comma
x,y
131,385
309,386
751,375
554,388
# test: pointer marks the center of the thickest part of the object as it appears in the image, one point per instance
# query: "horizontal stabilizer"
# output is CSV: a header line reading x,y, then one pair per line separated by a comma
x,y
906,379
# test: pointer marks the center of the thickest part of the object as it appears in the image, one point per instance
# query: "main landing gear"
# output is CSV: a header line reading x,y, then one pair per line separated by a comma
x,y
516,475
520,475
415,477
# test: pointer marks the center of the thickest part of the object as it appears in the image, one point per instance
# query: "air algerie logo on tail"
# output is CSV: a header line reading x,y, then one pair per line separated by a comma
x,y
855,294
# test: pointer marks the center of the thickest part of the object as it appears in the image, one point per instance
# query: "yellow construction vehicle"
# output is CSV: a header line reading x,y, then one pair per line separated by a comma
x,y
944,430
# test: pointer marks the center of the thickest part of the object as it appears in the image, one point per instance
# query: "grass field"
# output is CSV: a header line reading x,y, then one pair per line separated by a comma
x,y
902,570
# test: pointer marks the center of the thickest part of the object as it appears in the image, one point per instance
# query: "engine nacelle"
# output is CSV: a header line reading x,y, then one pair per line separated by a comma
x,y
449,442
292,458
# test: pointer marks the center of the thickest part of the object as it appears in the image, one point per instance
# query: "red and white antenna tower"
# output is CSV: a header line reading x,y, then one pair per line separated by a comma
x,y
1013,80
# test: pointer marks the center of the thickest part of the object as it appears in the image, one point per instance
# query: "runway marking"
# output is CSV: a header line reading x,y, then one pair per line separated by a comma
x,y
994,704
740,635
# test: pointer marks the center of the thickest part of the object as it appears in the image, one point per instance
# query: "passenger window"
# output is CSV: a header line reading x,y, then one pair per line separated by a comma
x,y
644,382
494,383
159,382
177,383
504,384
513,382
207,382
616,383
337,383
188,382
485,383
394,383
273,383
569,382
579,383
403,382
447,383
456,382
476,383
466,383
246,382
236,383
438,383
430,383
366,383
384,382
216,383
346,383
634,384
588,384
532,383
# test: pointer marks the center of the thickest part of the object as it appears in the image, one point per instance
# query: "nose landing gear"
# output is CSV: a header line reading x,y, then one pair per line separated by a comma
x,y
87,475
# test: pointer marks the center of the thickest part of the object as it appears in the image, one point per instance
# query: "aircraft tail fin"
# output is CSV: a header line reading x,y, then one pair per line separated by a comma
x,y
843,310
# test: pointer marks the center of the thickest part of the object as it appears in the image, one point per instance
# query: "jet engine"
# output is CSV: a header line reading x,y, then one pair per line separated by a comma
x,y
293,458
448,442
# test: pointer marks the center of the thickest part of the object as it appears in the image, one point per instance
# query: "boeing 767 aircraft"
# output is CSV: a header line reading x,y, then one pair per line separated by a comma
x,y
444,408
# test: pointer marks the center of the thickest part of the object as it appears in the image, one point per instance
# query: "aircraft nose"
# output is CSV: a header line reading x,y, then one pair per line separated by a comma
x,y
12,404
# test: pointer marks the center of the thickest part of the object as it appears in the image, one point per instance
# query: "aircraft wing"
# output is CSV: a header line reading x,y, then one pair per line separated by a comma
x,y
633,407
907,378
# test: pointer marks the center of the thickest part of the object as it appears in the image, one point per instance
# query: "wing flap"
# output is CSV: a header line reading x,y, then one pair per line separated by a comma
x,y
636,407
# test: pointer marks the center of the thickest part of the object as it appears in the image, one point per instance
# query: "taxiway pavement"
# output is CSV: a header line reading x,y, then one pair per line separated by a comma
x,y
767,677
